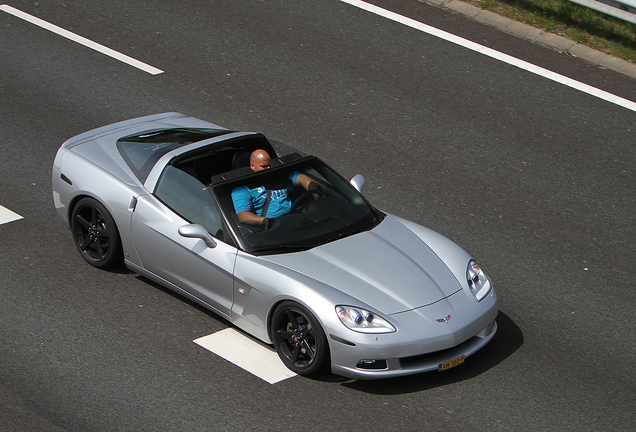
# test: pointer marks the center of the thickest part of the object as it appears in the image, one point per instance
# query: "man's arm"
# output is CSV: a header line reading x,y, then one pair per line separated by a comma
x,y
306,182
249,218
243,204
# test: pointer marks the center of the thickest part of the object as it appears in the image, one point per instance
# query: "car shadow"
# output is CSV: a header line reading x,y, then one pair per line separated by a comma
x,y
508,339
182,297
119,268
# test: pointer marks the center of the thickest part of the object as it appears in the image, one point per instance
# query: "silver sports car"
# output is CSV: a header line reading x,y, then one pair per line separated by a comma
x,y
332,282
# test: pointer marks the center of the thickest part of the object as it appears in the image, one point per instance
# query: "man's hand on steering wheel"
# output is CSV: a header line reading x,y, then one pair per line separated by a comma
x,y
299,203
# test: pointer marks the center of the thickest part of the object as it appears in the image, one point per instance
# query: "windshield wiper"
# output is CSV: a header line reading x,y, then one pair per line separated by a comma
x,y
282,248
343,235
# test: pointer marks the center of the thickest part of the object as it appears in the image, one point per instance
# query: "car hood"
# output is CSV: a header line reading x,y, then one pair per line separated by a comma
x,y
388,268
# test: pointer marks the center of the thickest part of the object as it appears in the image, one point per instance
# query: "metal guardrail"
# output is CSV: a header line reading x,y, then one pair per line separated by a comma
x,y
621,9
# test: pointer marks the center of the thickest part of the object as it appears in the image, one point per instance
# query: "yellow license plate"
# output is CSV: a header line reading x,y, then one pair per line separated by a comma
x,y
452,363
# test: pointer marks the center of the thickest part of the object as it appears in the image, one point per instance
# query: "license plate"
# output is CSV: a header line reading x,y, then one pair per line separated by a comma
x,y
452,363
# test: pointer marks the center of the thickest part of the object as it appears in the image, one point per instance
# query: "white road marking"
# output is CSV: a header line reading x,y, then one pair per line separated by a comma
x,y
7,216
246,353
81,40
585,88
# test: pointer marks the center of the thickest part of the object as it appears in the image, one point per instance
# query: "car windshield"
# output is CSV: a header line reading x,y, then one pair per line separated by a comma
x,y
339,210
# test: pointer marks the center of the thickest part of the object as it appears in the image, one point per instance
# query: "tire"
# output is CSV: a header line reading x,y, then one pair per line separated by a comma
x,y
95,234
299,339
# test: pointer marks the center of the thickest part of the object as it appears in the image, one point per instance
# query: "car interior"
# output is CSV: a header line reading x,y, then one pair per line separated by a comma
x,y
221,162
184,182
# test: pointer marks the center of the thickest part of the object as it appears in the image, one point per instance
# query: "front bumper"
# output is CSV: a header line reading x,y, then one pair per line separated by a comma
x,y
421,344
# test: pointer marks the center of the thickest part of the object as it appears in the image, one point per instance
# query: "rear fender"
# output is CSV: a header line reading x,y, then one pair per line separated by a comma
x,y
86,179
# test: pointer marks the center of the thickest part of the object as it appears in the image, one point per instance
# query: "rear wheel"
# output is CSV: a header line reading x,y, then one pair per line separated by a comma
x,y
299,339
95,234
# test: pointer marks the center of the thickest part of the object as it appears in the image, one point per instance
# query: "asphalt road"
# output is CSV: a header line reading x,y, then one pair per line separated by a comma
x,y
533,178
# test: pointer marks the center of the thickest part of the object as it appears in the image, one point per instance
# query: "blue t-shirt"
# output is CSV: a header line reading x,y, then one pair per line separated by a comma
x,y
253,200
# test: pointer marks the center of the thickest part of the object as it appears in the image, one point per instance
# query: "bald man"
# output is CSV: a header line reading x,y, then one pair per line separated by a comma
x,y
249,203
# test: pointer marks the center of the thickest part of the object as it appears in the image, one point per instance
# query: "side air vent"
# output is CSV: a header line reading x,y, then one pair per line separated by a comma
x,y
66,179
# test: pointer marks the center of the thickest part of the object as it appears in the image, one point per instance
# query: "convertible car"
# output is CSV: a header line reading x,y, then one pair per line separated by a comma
x,y
333,283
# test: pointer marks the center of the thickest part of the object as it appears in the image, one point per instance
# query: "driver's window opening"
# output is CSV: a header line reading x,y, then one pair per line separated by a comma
x,y
190,199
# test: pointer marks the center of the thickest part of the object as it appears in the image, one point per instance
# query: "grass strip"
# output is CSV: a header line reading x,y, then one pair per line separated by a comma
x,y
585,26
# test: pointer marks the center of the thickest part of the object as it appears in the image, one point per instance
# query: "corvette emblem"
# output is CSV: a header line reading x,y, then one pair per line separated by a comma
x,y
443,320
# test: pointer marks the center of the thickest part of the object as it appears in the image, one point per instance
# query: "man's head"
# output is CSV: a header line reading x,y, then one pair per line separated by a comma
x,y
259,160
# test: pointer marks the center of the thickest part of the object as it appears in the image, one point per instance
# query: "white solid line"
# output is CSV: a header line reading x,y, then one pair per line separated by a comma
x,y
569,82
7,216
246,353
81,40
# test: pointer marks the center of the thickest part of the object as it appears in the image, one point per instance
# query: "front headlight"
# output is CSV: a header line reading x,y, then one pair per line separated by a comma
x,y
478,282
363,321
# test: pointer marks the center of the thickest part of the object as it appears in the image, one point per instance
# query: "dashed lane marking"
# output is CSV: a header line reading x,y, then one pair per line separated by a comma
x,y
7,216
80,40
247,354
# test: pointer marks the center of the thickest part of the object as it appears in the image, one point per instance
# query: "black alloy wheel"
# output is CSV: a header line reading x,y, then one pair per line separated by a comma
x,y
95,234
299,339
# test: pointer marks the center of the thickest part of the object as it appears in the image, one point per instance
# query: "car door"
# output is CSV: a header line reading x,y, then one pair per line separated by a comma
x,y
201,271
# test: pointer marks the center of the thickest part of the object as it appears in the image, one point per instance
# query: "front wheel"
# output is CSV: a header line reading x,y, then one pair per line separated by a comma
x,y
299,339
95,234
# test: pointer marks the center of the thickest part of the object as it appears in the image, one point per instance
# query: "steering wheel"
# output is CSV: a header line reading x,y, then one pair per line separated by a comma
x,y
299,203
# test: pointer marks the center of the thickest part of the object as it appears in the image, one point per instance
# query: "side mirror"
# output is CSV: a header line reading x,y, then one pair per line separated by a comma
x,y
358,181
197,231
